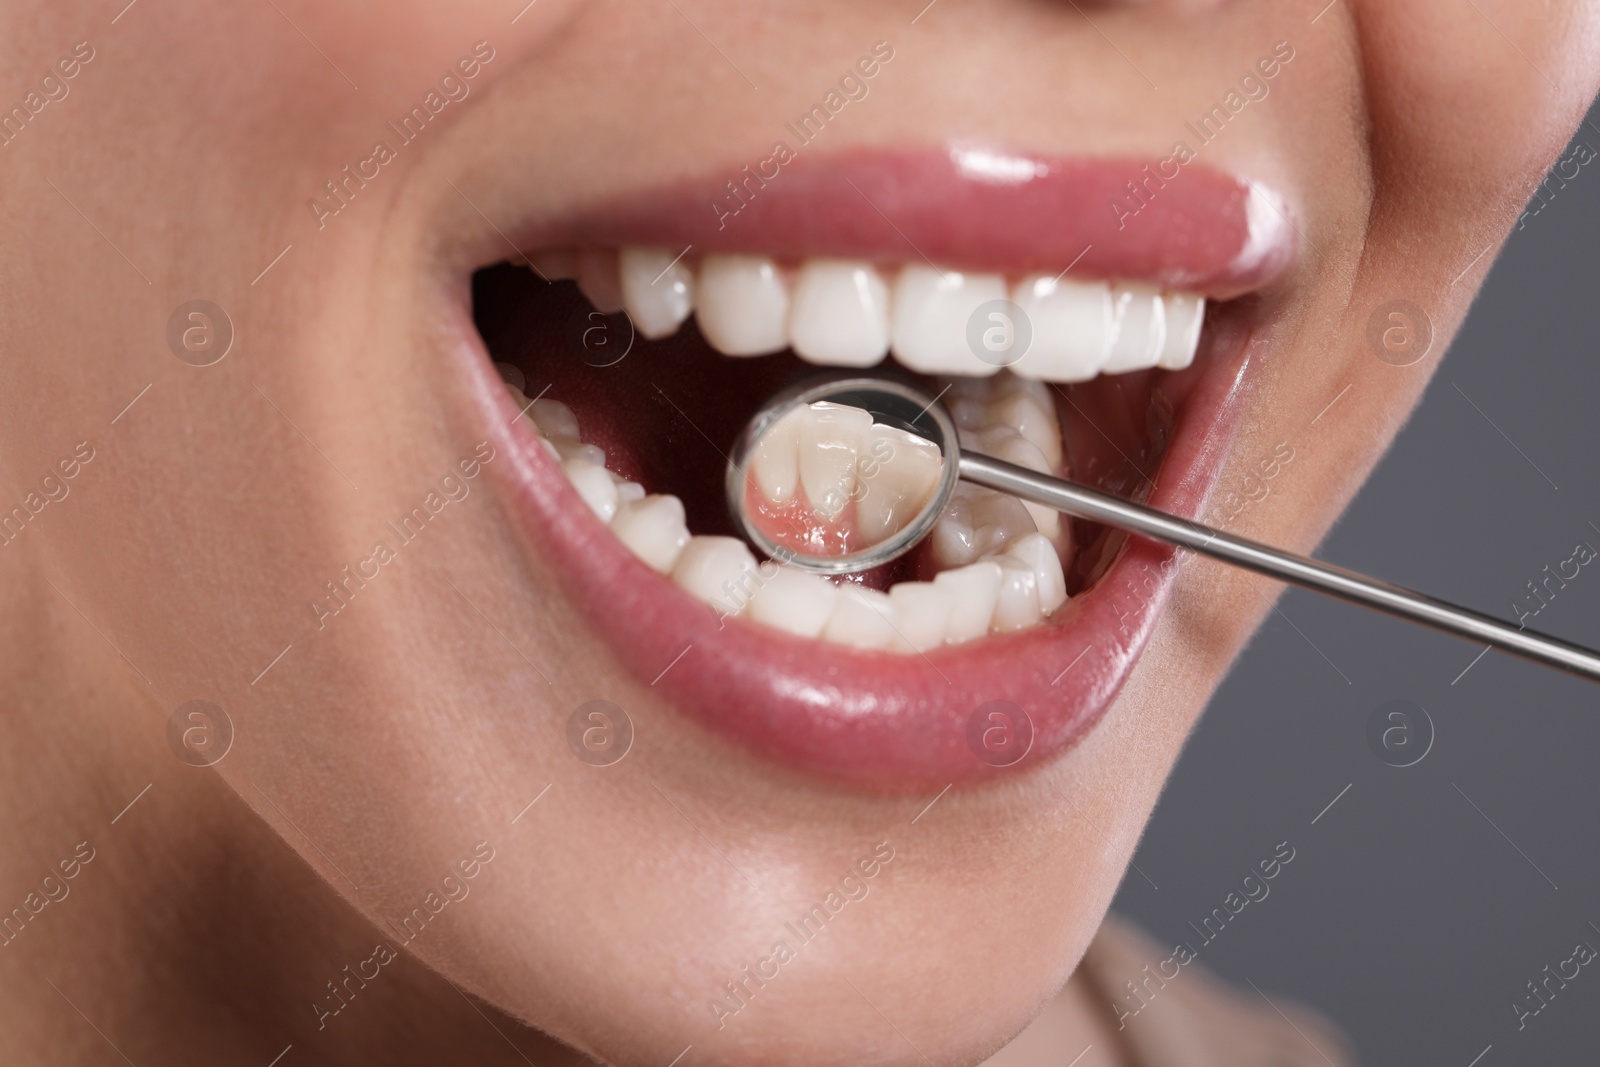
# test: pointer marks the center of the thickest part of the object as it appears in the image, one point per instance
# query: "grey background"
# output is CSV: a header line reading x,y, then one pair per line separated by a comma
x,y
1408,916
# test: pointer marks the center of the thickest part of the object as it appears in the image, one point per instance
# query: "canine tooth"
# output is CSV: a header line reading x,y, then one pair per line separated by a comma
x,y
1185,311
1073,328
921,614
831,438
715,570
1017,607
554,418
1032,418
775,458
955,540
653,529
743,305
841,314
998,519
898,472
598,279
1039,553
593,482
657,290
1141,327
931,310
974,591
794,600
555,264
861,618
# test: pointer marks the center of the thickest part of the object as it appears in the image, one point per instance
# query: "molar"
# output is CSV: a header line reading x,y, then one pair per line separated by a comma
x,y
998,519
955,539
1005,443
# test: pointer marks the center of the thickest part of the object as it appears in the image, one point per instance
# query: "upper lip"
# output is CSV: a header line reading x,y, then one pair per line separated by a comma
x,y
902,722
1203,230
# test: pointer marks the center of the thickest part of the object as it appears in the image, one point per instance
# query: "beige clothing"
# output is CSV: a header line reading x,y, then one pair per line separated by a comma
x,y
1191,1020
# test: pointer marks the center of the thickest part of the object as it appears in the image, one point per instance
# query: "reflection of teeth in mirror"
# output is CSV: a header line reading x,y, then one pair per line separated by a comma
x,y
832,438
896,481
831,476
1005,576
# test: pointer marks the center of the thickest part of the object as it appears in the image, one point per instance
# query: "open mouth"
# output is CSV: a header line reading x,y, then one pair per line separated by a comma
x,y
647,334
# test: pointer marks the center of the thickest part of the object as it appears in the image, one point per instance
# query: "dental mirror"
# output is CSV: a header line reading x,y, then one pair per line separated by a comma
x,y
841,475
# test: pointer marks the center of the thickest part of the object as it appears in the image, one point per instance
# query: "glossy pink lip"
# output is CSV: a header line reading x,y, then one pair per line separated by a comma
x,y
876,720
1200,229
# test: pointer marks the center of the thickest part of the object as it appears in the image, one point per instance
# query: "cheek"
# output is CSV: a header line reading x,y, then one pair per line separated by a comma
x,y
1440,116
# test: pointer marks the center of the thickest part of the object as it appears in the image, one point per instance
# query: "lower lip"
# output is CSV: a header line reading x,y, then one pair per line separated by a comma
x,y
880,721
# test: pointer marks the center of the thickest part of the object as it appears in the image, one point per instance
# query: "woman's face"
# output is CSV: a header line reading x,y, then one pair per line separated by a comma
x,y
401,715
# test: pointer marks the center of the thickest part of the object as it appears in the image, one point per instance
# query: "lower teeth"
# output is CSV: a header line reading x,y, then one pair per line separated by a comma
x,y
999,561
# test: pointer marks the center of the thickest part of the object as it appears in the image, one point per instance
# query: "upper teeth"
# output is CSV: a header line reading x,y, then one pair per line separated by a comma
x,y
837,312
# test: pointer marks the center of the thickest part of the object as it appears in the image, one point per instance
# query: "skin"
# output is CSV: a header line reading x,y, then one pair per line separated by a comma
x,y
379,750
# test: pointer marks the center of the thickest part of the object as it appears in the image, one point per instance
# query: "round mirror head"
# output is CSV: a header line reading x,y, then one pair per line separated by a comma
x,y
841,475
